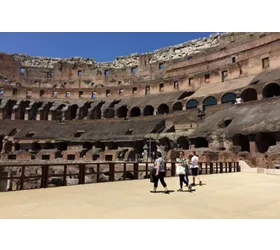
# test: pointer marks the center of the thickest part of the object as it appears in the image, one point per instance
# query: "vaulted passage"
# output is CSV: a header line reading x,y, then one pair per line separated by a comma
x,y
109,113
134,112
249,95
200,142
183,142
242,141
148,110
264,141
122,112
192,104
73,112
209,101
163,109
229,98
177,106
271,90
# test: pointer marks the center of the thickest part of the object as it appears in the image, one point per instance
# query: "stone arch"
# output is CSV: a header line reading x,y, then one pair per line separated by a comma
x,y
249,95
177,106
148,110
209,101
183,142
99,144
87,145
8,146
61,146
73,111
96,112
135,111
192,104
109,113
122,112
166,142
48,145
271,90
242,141
200,142
228,98
264,141
163,109
35,146
8,109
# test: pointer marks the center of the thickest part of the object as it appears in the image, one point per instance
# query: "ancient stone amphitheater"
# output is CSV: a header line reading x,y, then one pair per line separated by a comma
x,y
218,95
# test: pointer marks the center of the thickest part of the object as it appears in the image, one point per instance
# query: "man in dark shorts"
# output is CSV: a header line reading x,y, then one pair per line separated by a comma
x,y
195,168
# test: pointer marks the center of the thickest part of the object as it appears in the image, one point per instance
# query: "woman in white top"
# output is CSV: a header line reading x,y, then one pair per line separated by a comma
x,y
194,168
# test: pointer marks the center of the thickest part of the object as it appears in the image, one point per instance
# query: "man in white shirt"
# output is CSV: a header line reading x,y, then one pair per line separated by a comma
x,y
195,168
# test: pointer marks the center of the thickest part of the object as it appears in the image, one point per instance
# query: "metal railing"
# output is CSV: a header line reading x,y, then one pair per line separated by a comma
x,y
22,176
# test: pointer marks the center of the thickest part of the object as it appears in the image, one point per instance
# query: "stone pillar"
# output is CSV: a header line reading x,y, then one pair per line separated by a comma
x,y
184,107
49,116
38,116
13,117
253,148
26,116
192,146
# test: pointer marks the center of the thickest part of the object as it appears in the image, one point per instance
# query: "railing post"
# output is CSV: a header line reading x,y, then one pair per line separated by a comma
x,y
124,171
200,168
135,170
45,176
211,167
206,168
221,168
97,172
217,168
226,167
230,166
147,168
81,174
173,169
112,171
64,175
22,177
238,167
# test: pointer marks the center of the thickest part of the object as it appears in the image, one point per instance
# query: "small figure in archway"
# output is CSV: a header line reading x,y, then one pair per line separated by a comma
x,y
195,168
184,174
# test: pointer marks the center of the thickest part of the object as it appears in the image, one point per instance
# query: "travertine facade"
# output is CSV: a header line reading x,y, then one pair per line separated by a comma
x,y
219,94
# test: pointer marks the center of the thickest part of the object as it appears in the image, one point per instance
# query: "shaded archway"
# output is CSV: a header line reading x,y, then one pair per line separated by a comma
x,y
163,109
209,101
228,98
249,95
122,112
264,141
48,145
100,145
87,145
134,112
148,110
192,104
61,146
183,142
177,106
200,142
242,141
73,112
109,113
271,90
35,146
8,147
166,142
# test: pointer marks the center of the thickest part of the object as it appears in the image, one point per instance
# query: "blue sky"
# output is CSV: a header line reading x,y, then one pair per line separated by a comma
x,y
101,46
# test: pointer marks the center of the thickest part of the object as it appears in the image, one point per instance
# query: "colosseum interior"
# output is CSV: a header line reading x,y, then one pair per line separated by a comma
x,y
218,95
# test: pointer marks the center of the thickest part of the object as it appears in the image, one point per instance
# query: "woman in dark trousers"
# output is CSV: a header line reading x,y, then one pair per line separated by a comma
x,y
184,178
159,173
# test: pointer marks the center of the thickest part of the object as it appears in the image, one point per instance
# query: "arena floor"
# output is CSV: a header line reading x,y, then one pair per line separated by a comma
x,y
234,195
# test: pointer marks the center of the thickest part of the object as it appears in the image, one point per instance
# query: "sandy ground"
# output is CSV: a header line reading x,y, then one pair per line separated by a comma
x,y
234,195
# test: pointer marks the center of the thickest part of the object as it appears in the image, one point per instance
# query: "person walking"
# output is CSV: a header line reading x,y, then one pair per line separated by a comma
x,y
159,173
195,168
183,176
